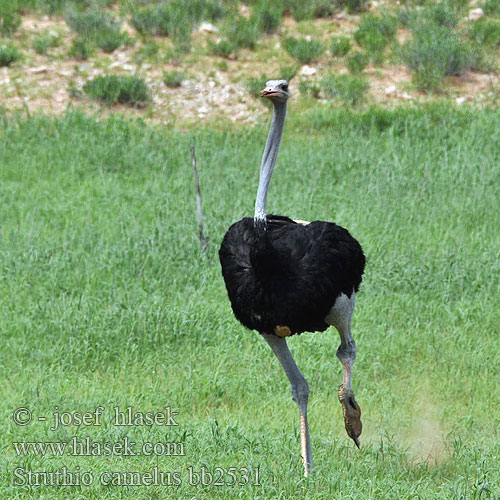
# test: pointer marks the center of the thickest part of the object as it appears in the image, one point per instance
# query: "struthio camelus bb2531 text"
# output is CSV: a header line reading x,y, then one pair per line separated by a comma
x,y
285,277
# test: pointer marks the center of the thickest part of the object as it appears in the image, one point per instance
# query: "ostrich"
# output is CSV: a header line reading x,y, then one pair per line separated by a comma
x,y
285,277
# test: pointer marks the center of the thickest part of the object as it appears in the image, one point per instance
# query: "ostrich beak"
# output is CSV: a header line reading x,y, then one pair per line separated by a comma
x,y
270,92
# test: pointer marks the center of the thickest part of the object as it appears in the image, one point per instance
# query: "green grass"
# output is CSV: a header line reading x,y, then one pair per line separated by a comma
x,y
107,300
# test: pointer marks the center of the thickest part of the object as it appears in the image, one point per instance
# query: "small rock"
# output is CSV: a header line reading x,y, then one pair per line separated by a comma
x,y
341,15
407,96
476,14
203,110
308,70
390,90
211,83
460,100
208,28
128,67
64,73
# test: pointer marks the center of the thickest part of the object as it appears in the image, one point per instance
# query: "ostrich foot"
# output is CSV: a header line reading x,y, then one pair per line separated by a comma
x,y
352,413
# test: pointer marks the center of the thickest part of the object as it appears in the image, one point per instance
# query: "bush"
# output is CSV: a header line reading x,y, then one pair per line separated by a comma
x,y
152,20
374,34
99,26
346,88
267,16
45,41
109,40
113,89
8,55
81,49
308,88
10,20
288,72
491,7
485,32
149,51
90,23
434,52
303,50
301,10
443,14
353,5
255,85
357,62
222,48
340,46
240,31
173,79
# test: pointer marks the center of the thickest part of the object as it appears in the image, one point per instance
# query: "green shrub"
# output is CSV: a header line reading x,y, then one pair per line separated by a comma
x,y
407,16
340,46
267,16
302,10
353,5
308,88
99,26
149,51
240,31
152,20
485,32
255,85
443,13
109,40
222,48
113,89
374,34
303,50
46,40
491,7
346,88
90,23
10,20
81,49
357,62
288,72
173,79
8,55
434,52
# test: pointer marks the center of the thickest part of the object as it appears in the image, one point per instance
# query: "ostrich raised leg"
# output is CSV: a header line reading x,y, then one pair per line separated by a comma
x,y
300,394
340,317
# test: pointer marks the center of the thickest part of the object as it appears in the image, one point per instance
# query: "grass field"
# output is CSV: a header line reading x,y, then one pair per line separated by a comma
x,y
106,300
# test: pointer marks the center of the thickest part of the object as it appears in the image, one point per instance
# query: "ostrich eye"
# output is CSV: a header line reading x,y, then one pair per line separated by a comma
x,y
284,87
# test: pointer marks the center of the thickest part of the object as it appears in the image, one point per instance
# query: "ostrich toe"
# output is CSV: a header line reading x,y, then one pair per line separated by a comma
x,y
352,413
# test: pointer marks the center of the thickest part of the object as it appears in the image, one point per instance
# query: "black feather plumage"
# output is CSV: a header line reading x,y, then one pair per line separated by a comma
x,y
288,274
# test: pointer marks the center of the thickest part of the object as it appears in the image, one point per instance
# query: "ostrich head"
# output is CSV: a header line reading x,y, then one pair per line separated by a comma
x,y
276,91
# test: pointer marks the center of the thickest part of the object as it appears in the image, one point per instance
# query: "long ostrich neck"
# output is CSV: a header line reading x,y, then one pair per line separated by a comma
x,y
268,161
